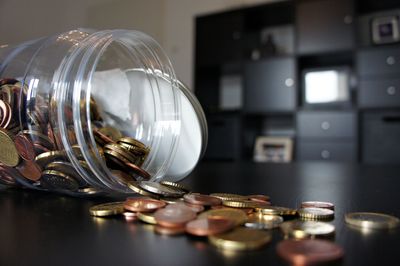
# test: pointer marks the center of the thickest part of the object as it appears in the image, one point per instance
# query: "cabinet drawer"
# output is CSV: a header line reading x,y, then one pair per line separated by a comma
x,y
326,124
380,140
379,61
379,93
326,150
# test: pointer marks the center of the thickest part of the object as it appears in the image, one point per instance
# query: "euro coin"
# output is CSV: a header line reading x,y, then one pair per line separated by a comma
x,y
9,154
371,220
107,209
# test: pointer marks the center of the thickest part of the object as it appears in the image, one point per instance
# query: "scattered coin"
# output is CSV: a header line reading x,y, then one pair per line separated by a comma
x,y
147,217
160,189
143,204
263,222
107,209
306,229
316,213
170,231
309,251
209,226
371,220
237,216
317,204
174,216
200,199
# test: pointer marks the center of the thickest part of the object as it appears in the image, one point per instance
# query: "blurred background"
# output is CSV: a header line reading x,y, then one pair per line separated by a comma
x,y
279,81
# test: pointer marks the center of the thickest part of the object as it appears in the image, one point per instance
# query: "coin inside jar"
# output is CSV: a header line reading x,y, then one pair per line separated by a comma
x,y
309,251
143,204
209,226
9,154
160,189
30,170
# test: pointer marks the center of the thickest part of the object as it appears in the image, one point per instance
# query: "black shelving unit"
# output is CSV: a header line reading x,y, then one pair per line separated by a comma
x,y
249,68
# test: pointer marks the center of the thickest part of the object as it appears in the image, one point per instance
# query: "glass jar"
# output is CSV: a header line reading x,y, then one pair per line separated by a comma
x,y
74,93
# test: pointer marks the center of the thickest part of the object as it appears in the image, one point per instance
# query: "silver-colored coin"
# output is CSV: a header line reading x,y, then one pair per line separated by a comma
x,y
307,229
263,222
58,181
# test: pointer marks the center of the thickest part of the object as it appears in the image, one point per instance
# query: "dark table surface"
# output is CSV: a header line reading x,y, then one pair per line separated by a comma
x,y
48,229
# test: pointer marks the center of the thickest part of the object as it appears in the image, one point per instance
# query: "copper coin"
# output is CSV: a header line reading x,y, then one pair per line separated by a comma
x,y
245,210
200,199
195,208
143,204
170,231
30,170
25,147
259,198
309,251
137,170
130,216
6,178
317,204
209,226
103,137
174,216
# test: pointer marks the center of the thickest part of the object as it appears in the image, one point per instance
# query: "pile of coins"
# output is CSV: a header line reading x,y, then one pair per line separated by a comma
x,y
33,155
237,222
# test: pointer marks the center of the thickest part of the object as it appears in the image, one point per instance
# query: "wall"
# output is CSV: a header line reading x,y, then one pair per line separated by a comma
x,y
170,22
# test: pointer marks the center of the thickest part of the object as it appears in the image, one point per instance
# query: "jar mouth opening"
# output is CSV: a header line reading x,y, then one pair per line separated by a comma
x,y
154,120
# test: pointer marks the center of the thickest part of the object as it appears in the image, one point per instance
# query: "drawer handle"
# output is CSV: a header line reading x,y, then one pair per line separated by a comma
x,y
390,60
325,125
289,82
391,90
325,154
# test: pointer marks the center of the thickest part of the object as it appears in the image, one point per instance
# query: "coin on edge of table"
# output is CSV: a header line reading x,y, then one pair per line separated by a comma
x,y
169,231
316,213
307,229
174,217
9,154
147,217
309,251
318,204
263,221
372,220
143,204
241,238
238,216
209,226
107,209
201,199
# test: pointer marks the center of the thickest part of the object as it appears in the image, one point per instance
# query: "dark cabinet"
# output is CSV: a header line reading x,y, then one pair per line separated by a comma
x,y
379,93
326,150
218,38
381,137
324,25
378,61
269,85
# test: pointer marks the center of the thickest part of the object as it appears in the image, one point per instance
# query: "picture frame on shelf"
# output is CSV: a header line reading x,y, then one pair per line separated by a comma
x,y
273,149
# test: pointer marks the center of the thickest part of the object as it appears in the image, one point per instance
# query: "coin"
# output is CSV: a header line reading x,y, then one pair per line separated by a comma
x,y
175,185
121,151
237,216
6,114
317,204
9,154
263,222
147,217
174,216
47,157
243,204
200,199
309,251
101,138
30,170
259,198
371,220
130,216
143,204
170,231
316,213
195,208
307,229
133,185
107,209
137,170
132,141
68,169
7,176
59,181
228,196
241,239
160,189
277,210
111,132
24,147
37,137
209,226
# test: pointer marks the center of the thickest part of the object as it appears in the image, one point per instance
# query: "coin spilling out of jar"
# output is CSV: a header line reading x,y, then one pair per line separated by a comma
x,y
32,146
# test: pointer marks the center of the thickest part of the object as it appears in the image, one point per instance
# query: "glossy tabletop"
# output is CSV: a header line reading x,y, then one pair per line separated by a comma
x,y
48,229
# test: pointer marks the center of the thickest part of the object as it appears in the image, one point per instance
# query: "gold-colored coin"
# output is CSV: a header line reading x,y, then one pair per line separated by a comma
x,y
276,210
132,141
229,197
241,239
306,229
133,185
111,132
52,179
238,216
175,185
371,220
240,203
9,154
50,156
147,217
316,213
107,209
121,151
262,221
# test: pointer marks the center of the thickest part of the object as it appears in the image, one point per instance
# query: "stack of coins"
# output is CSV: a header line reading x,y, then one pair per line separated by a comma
x,y
32,151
